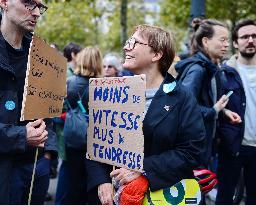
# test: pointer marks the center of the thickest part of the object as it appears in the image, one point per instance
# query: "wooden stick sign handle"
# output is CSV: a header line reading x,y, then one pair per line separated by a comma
x,y
113,187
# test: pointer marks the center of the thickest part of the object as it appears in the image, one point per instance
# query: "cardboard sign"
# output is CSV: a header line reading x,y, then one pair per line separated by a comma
x,y
116,110
45,84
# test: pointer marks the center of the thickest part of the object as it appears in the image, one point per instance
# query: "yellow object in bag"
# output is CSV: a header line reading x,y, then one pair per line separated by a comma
x,y
187,191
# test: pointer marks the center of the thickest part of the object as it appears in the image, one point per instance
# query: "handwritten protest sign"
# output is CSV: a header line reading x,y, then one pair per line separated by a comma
x,y
45,84
116,110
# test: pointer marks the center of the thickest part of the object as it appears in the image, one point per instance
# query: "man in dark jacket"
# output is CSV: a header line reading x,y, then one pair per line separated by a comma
x,y
238,135
18,140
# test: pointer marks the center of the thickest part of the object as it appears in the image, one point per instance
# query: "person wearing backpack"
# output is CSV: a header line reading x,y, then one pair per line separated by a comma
x,y
88,64
70,52
199,74
209,44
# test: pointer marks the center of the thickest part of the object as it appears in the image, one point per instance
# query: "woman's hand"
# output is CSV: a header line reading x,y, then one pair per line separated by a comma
x,y
221,103
105,193
124,176
232,116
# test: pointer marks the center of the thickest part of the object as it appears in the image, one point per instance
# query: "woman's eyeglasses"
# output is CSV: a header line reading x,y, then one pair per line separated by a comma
x,y
131,42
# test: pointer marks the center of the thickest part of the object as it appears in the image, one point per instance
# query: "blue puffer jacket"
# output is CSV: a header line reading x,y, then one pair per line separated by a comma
x,y
198,80
231,135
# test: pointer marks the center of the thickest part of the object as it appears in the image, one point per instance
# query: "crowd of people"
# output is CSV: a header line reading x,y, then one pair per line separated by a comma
x,y
196,108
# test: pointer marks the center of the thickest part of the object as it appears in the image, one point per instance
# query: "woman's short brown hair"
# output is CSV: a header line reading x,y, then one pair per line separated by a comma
x,y
160,41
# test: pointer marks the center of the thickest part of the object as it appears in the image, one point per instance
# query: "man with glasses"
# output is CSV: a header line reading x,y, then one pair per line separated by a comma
x,y
238,136
18,140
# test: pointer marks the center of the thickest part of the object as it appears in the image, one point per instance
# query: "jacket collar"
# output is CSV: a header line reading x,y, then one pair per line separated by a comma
x,y
232,62
211,68
198,58
4,58
162,104
230,68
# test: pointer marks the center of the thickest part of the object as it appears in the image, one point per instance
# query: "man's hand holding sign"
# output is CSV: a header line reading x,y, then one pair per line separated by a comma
x,y
45,67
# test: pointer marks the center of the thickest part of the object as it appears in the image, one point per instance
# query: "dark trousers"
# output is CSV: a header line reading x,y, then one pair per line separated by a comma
x,y
5,175
21,179
229,168
62,186
75,170
93,198
76,177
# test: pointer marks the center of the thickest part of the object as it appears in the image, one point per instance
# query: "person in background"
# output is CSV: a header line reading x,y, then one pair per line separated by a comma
x,y
209,44
112,65
237,134
174,135
70,51
88,65
19,140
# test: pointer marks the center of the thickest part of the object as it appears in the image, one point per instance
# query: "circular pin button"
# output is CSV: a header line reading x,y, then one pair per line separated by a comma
x,y
10,105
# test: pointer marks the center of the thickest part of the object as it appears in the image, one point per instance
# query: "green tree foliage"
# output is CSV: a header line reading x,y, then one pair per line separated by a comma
x,y
98,22
67,21
175,14
88,22
135,15
232,11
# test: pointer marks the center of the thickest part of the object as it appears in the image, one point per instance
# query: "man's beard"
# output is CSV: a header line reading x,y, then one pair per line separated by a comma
x,y
247,55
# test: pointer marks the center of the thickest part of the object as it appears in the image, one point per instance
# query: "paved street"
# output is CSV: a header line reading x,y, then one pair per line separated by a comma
x,y
52,190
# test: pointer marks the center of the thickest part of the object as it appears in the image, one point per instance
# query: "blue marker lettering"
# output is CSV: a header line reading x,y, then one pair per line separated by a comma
x,y
130,120
136,123
138,161
111,94
124,120
119,153
108,153
125,91
100,117
113,154
95,115
113,123
117,95
95,146
134,165
105,94
96,132
104,134
124,157
111,140
130,158
97,93
107,112
100,151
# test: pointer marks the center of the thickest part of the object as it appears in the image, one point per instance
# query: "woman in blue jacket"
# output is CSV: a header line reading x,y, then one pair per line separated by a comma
x,y
198,73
